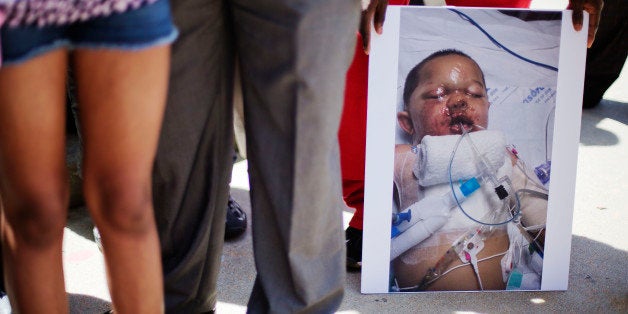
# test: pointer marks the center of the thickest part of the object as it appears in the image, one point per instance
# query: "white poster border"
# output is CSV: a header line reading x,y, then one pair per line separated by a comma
x,y
383,85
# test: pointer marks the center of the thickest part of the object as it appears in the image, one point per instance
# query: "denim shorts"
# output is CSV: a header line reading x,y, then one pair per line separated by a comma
x,y
148,26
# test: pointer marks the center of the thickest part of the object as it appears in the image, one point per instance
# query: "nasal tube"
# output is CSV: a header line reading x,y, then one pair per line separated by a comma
x,y
423,218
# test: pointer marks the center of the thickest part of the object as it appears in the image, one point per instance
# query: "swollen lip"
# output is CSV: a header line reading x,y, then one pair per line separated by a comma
x,y
455,129
458,128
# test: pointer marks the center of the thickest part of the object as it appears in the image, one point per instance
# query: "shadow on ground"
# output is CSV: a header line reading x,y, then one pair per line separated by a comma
x,y
80,222
237,269
591,133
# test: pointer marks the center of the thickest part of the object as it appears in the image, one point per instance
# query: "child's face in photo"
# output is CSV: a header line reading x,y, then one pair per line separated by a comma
x,y
449,98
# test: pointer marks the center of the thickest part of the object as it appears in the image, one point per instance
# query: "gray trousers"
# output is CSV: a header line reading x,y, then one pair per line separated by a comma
x,y
293,57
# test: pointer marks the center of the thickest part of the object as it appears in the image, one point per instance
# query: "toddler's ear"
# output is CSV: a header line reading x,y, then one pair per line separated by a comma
x,y
405,122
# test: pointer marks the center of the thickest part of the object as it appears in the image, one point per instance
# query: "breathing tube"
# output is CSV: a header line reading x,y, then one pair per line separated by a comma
x,y
487,176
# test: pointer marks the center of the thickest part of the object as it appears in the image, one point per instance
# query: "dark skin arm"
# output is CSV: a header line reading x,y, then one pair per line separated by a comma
x,y
375,13
594,8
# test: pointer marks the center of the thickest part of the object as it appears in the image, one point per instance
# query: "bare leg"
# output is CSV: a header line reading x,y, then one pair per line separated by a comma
x,y
122,99
33,182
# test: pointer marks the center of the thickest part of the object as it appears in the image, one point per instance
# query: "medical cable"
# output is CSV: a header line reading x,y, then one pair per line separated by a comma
x,y
450,270
538,229
538,235
532,241
523,168
519,160
534,193
476,269
534,228
547,132
451,184
454,253
479,126
500,45
524,230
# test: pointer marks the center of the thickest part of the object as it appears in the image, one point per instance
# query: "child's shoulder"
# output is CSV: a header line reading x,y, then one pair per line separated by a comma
x,y
403,148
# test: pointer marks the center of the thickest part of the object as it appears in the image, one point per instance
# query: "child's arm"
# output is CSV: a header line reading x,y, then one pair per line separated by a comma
x,y
407,184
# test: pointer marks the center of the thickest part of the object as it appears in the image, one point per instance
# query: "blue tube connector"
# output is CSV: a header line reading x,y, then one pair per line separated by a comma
x,y
469,186
400,217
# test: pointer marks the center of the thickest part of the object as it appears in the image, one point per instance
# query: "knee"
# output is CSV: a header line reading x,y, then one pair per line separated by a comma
x,y
37,216
122,203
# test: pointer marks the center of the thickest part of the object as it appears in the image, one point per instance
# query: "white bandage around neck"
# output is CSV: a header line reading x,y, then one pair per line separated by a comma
x,y
435,154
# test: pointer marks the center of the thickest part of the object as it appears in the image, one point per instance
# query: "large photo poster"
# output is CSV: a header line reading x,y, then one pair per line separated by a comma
x,y
473,127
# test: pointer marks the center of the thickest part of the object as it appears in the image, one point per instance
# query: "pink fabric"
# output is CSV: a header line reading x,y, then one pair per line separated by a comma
x,y
60,12
2,18
491,3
